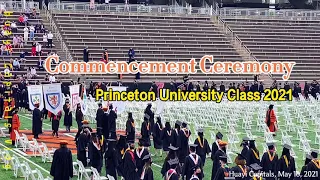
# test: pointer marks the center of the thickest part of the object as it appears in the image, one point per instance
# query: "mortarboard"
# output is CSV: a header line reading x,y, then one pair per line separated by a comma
x,y
287,146
149,104
252,140
63,142
314,153
67,100
184,124
111,140
241,157
270,144
246,139
178,122
256,167
193,145
85,122
146,157
219,135
141,141
200,130
173,148
223,158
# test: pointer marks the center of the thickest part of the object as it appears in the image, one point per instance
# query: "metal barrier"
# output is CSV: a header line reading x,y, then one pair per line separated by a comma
x,y
12,5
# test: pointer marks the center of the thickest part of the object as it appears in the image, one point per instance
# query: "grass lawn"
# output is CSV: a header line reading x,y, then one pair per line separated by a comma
x,y
158,161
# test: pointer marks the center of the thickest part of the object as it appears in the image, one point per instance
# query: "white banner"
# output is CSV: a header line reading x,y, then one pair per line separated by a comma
x,y
120,106
53,97
74,96
84,102
160,104
35,96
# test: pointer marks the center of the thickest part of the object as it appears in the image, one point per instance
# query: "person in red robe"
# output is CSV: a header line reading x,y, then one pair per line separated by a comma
x,y
15,125
6,105
271,119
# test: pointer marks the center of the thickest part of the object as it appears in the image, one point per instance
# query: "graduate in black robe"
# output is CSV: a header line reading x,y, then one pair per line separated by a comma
x,y
86,54
269,161
203,148
67,115
313,167
286,163
256,172
245,146
223,170
149,114
185,133
99,118
130,128
129,164
85,125
61,166
176,141
120,149
304,168
1,105
111,160
95,154
171,175
241,170
105,123
215,147
79,116
82,146
147,173
171,162
56,123
36,122
253,153
157,136
166,137
191,161
146,132
139,154
112,116
216,160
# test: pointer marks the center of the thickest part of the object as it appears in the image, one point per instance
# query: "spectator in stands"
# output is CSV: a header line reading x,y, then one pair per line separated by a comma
x,y
33,48
22,57
131,54
20,41
46,78
9,49
52,78
45,40
86,54
3,49
37,28
39,49
31,30
21,19
6,70
33,72
34,13
25,20
27,12
25,34
15,41
14,27
40,65
106,55
42,29
50,37
16,64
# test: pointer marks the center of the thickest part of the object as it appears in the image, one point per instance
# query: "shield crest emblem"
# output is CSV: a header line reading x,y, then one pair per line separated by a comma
x,y
75,100
53,100
35,99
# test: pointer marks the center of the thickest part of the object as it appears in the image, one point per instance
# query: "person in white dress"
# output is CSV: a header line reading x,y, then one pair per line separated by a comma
x,y
45,40
25,34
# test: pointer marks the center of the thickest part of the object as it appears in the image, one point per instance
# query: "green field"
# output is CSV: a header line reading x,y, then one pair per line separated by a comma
x,y
158,161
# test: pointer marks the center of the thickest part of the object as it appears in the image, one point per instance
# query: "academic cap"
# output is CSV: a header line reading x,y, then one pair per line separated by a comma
x,y
287,146
223,158
146,157
314,153
149,104
200,130
173,148
85,122
63,142
246,139
141,141
193,145
111,140
67,101
252,140
270,144
219,135
241,157
256,167
179,122
184,124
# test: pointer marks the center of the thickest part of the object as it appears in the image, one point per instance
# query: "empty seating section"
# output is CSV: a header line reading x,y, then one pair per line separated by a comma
x,y
282,40
154,38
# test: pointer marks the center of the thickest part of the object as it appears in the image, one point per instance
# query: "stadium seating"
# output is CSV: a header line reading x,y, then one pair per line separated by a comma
x,y
154,38
281,40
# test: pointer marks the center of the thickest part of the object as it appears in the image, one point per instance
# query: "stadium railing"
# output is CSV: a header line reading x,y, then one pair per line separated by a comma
x,y
19,6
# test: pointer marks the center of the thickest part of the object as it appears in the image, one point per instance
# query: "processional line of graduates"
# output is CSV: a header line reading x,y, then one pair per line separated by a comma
x,y
183,160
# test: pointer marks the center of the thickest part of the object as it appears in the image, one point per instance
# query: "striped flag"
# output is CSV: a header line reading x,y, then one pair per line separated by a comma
x,y
83,102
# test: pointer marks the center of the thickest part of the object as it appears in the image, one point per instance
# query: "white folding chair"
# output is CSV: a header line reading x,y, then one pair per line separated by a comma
x,y
96,175
83,172
18,166
40,176
30,173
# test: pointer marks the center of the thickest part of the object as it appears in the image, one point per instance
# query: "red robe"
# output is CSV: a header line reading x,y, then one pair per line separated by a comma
x,y
273,120
15,126
6,104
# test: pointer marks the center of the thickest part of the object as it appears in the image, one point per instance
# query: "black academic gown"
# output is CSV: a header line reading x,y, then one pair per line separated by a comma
x,y
151,116
129,166
99,119
130,130
303,172
171,164
157,134
166,139
269,164
202,149
284,168
112,124
148,174
61,166
82,144
214,149
145,133
81,129
95,157
184,146
237,171
139,154
111,162
174,177
313,169
251,157
67,116
79,117
222,172
244,151
189,164
36,122
105,125
176,142
1,106
216,162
